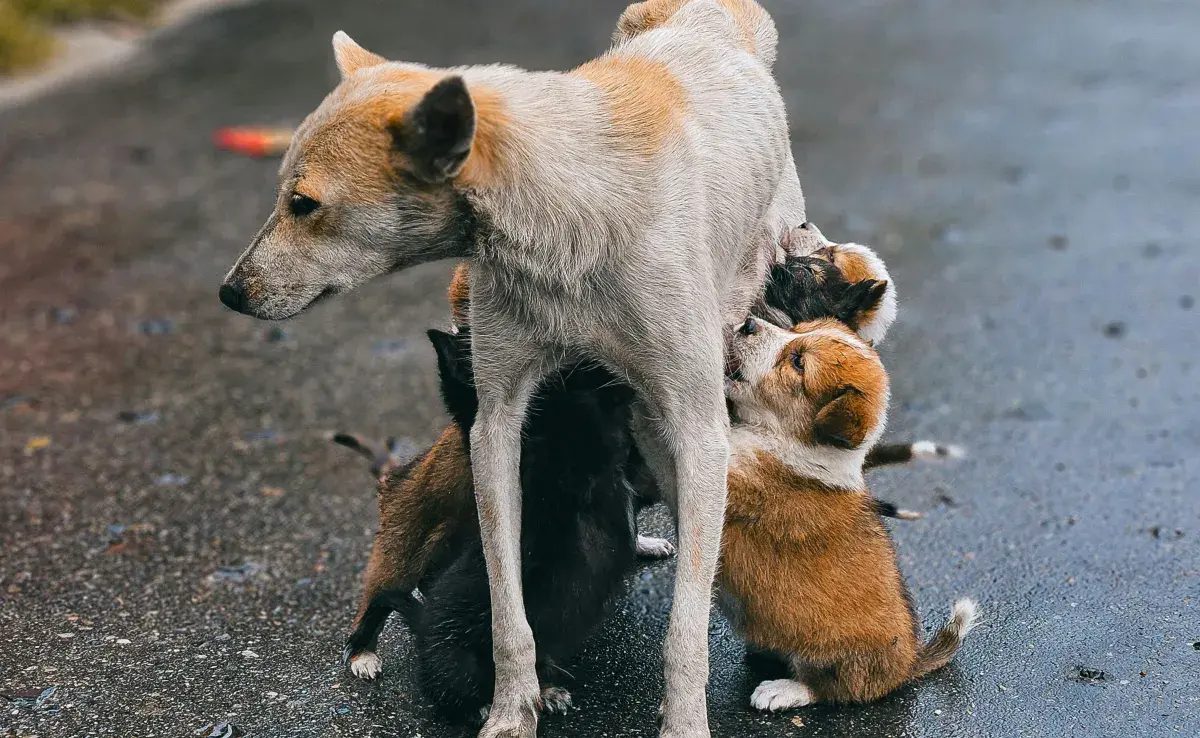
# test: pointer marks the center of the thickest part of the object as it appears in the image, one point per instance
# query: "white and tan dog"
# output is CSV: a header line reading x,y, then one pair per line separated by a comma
x,y
625,211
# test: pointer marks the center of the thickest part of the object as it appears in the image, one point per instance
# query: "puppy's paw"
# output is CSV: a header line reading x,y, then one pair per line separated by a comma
x,y
781,694
654,548
365,665
556,701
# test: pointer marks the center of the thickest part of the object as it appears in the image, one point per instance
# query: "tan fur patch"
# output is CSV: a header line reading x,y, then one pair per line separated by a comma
x,y
460,295
646,102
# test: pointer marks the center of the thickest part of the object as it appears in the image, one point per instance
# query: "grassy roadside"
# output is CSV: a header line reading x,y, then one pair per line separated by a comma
x,y
25,38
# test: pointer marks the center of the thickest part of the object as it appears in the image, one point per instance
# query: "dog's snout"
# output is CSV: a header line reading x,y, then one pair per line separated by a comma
x,y
233,295
749,328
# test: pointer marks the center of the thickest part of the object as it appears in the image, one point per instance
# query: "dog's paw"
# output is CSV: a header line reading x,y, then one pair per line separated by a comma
x,y
678,721
654,548
781,694
519,720
365,665
556,701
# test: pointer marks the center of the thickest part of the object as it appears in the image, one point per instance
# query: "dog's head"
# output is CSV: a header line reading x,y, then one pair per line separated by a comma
x,y
818,385
823,279
373,182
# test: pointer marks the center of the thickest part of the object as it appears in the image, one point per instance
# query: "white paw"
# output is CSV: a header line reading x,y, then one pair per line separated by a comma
x,y
366,665
781,694
654,548
556,701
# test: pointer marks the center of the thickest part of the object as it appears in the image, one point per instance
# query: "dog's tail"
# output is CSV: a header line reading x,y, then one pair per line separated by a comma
x,y
902,453
946,641
888,510
383,457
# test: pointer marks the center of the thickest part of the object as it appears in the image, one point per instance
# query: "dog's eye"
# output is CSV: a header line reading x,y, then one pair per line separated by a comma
x,y
798,362
302,205
749,328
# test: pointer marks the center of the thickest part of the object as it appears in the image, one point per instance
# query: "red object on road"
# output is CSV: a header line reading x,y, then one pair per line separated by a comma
x,y
254,141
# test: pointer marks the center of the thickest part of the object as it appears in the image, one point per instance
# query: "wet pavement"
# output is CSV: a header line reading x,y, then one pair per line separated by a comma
x,y
181,544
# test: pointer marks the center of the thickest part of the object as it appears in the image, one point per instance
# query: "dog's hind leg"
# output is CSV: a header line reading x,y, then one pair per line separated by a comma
x,y
507,370
685,442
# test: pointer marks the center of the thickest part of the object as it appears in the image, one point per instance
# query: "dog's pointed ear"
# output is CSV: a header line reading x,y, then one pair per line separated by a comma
x,y
437,133
844,422
351,57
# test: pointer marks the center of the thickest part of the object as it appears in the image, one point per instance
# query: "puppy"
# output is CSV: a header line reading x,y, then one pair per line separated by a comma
x,y
577,544
808,571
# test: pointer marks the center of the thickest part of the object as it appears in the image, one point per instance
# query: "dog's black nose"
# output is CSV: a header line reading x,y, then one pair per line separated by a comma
x,y
749,328
233,296
805,225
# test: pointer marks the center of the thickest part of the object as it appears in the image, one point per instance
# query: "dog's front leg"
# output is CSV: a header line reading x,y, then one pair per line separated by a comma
x,y
505,377
687,447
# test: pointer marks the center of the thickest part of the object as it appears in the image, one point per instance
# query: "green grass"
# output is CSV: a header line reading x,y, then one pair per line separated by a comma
x,y
25,39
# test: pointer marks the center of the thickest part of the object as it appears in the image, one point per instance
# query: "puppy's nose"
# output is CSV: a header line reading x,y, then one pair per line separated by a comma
x,y
805,226
233,295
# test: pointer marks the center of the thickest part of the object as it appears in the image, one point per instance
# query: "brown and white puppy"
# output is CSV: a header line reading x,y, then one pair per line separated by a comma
x,y
808,571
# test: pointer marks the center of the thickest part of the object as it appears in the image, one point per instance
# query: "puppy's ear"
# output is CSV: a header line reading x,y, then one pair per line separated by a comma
x,y
436,135
460,295
453,356
351,57
859,300
844,421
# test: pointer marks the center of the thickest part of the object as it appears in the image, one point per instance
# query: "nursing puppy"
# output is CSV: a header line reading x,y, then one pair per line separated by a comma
x,y
662,168
808,571
578,542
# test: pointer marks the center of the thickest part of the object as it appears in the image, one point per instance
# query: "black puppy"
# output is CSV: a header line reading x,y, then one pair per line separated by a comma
x,y
577,536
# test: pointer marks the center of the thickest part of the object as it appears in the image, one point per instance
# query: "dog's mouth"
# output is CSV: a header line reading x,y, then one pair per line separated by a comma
x,y
322,296
733,367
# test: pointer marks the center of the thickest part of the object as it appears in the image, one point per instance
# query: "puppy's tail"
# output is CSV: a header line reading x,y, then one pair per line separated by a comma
x,y
382,457
888,510
902,453
945,642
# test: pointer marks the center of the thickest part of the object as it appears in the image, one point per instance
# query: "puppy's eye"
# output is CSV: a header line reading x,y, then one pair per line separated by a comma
x,y
798,362
749,328
302,205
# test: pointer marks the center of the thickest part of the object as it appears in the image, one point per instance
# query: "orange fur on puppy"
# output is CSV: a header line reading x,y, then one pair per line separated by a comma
x,y
808,571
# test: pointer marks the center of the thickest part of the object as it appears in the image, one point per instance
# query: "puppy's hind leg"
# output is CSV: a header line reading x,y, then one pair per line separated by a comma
x,y
507,371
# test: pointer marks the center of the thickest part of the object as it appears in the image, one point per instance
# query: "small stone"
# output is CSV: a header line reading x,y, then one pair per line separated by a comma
x,y
156,326
66,635
63,315
272,491
170,480
798,722
123,641
248,654
137,418
37,443
276,333
1089,675
1114,329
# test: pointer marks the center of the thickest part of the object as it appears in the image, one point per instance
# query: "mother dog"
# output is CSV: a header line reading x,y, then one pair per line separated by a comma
x,y
625,211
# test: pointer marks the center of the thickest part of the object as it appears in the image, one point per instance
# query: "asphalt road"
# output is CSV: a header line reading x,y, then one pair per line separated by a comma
x,y
1028,169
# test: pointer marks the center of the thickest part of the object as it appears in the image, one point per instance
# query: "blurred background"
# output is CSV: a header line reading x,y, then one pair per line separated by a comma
x,y
181,545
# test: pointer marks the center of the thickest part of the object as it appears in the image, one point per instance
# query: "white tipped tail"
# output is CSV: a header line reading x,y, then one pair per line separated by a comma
x,y
946,641
934,451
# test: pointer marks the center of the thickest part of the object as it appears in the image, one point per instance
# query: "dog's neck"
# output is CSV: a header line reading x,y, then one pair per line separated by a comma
x,y
561,195
834,467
